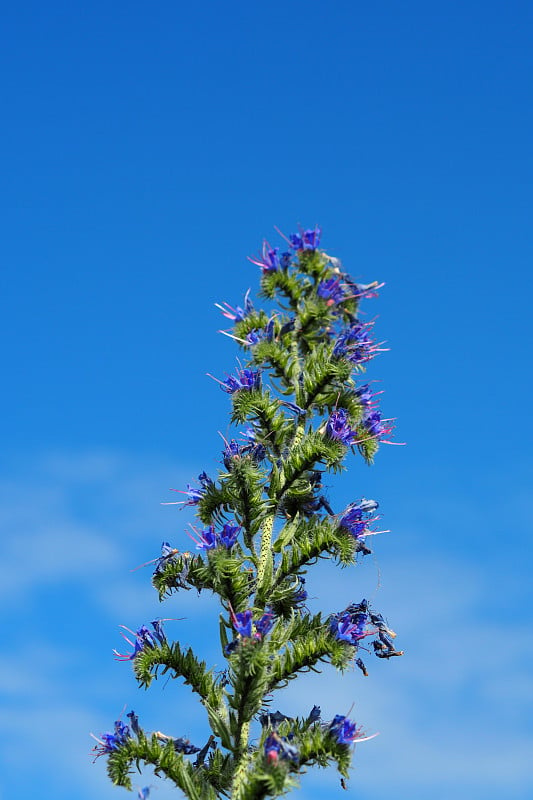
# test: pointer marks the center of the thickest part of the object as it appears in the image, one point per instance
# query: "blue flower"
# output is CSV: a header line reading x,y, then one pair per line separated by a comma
x,y
272,747
242,622
246,379
231,451
365,396
344,730
357,517
143,638
276,745
228,535
374,426
306,240
180,745
237,314
331,291
355,344
350,625
110,742
339,428
168,554
194,494
264,623
268,260
208,539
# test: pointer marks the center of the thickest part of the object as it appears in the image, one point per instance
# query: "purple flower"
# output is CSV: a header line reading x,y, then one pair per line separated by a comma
x,y
374,426
355,344
110,742
365,396
272,747
194,494
306,240
254,337
237,314
256,450
264,623
208,539
276,745
246,379
350,625
231,451
357,517
344,730
143,638
331,291
268,260
339,428
346,630
242,622
168,554
228,535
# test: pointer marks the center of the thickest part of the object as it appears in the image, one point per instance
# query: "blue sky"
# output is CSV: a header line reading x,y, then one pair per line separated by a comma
x,y
146,153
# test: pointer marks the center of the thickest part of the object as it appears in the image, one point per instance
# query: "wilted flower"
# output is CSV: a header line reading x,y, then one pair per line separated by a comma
x,y
134,722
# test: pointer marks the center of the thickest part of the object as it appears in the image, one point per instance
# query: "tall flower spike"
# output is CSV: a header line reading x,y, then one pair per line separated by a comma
x,y
260,526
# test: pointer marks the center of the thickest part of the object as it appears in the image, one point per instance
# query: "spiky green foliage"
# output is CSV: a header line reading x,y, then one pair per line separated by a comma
x,y
268,524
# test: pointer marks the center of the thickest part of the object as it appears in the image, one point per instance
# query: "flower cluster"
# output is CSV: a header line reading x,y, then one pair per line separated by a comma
x,y
306,240
209,538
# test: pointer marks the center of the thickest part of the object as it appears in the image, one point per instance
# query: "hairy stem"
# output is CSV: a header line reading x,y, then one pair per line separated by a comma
x,y
265,554
242,767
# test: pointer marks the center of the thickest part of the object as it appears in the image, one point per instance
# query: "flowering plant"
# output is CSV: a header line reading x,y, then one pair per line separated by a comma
x,y
266,521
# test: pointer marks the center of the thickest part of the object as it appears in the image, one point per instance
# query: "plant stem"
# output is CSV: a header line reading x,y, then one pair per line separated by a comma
x,y
242,768
265,554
